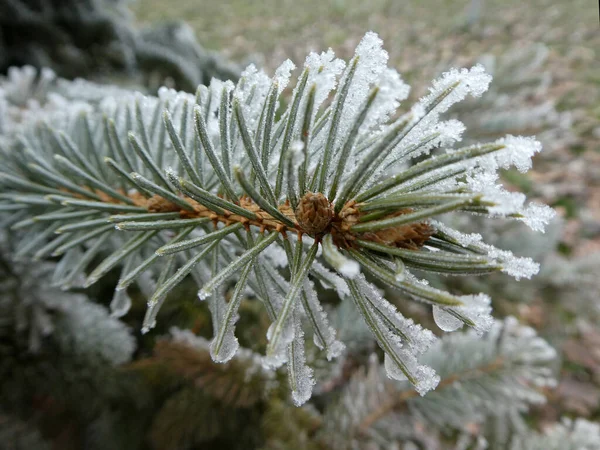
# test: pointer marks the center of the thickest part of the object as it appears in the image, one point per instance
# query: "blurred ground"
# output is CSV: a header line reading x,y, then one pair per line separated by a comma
x,y
420,36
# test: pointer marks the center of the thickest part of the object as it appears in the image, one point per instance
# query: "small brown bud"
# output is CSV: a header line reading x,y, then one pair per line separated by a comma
x,y
314,213
158,204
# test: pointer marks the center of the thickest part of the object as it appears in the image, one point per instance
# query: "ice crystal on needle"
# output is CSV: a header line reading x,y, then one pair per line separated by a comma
x,y
223,186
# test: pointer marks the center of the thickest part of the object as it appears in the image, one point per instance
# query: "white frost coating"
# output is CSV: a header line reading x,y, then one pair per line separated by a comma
x,y
296,147
448,133
274,296
371,66
518,153
212,124
282,75
146,328
464,239
251,91
324,68
324,336
518,267
535,215
349,268
427,379
203,294
299,373
416,338
474,81
323,71
426,112
392,90
400,337
229,346
504,202
444,134
477,309
279,282
96,332
174,97
371,63
218,307
26,96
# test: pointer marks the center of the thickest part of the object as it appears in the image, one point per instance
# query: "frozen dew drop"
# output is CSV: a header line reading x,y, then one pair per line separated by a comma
x,y
445,320
229,347
203,295
278,356
120,304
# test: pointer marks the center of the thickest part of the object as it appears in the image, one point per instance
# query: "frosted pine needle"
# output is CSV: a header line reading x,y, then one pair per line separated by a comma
x,y
225,186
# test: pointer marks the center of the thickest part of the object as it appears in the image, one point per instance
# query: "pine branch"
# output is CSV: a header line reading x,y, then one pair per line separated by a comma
x,y
188,173
499,376
240,383
100,38
567,434
399,400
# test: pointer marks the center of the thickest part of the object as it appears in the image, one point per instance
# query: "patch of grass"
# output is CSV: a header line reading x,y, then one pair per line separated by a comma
x,y
570,206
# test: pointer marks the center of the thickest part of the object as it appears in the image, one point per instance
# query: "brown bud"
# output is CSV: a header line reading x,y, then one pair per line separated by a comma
x,y
314,213
158,204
